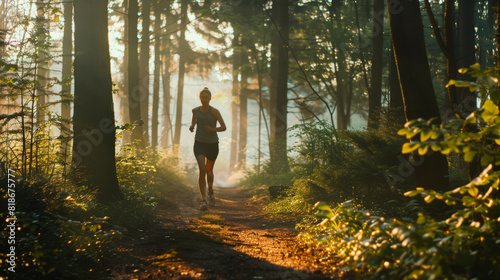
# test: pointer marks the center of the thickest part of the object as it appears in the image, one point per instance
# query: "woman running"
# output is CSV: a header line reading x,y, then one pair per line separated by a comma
x,y
206,144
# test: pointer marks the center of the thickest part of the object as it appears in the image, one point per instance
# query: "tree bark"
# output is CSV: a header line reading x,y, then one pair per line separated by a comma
x,y
66,71
156,85
498,33
167,49
42,63
94,123
375,93
235,95
243,125
124,104
416,85
134,97
279,108
396,106
144,57
182,69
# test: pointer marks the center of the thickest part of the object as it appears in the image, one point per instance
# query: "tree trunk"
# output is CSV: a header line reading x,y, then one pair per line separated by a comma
x,y
467,37
124,104
134,89
396,106
94,123
42,63
416,85
156,85
342,76
167,46
144,57
235,92
2,29
273,87
375,93
66,72
243,127
182,69
498,33
279,142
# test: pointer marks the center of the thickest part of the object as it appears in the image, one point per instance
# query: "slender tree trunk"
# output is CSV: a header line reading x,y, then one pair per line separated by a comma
x,y
279,141
235,95
144,57
182,69
2,28
134,99
156,86
243,127
396,106
273,87
416,85
375,93
94,123
467,38
66,84
42,61
124,103
167,46
66,71
342,76
498,32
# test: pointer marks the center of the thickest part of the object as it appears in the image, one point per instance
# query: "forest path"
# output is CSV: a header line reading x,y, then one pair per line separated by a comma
x,y
235,239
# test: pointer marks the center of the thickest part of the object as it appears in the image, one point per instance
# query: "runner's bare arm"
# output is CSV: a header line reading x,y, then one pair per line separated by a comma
x,y
219,118
193,121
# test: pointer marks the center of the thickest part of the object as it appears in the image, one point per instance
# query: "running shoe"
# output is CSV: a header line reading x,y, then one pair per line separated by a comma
x,y
203,206
211,200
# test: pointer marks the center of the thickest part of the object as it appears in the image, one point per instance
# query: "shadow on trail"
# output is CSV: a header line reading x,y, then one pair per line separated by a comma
x,y
234,240
187,254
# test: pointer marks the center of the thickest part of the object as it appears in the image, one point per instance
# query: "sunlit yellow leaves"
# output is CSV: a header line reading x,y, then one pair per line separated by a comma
x,y
490,111
469,156
410,147
425,134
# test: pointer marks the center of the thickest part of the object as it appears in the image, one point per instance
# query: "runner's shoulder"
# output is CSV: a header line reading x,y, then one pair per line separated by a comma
x,y
214,110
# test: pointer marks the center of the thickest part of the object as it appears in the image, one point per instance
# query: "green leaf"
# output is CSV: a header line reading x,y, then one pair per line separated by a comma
x,y
469,156
322,206
423,150
468,201
410,147
403,131
473,191
426,134
490,111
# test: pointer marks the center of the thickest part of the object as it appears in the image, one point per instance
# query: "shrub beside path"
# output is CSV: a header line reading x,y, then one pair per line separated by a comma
x,y
235,239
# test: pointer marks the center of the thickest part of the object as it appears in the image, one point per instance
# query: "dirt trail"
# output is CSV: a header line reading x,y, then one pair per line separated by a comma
x,y
233,240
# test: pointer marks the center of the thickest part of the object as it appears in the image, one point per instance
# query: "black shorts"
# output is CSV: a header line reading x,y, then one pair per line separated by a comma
x,y
209,150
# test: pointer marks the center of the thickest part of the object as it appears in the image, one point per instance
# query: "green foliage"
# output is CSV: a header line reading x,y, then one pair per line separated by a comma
x,y
57,235
463,245
347,164
64,233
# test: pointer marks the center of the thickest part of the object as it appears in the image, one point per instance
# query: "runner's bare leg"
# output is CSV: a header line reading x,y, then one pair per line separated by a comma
x,y
210,175
201,177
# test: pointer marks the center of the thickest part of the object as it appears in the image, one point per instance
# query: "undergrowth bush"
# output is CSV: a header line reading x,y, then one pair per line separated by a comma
x,y
463,242
63,233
